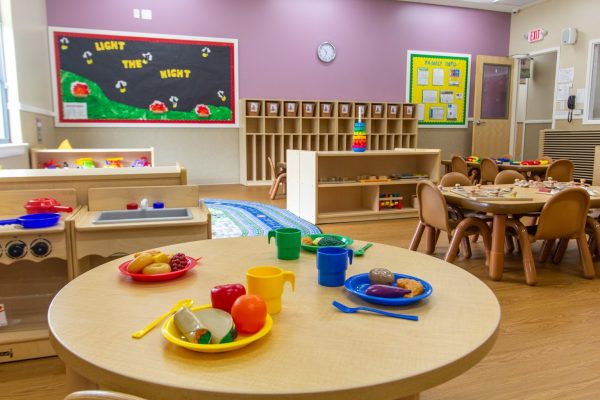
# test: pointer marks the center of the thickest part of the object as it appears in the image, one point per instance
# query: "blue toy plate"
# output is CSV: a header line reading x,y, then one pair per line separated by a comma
x,y
357,284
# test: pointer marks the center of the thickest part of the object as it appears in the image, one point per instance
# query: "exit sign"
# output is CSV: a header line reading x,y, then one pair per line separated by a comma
x,y
536,35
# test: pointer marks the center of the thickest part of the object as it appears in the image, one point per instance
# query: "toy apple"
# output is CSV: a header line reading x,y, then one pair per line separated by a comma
x,y
223,296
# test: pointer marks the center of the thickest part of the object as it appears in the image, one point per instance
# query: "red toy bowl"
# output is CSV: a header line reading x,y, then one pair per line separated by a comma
x,y
192,262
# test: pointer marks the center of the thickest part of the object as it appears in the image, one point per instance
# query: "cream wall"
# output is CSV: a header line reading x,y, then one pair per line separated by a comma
x,y
554,16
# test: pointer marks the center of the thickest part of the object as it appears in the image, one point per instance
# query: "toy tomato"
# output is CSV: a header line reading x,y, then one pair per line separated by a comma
x,y
223,296
249,312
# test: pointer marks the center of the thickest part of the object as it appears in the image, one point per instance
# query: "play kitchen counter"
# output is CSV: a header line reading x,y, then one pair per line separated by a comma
x,y
112,239
34,265
343,186
313,350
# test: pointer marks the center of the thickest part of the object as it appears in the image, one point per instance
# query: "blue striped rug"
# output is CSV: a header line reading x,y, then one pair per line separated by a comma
x,y
234,218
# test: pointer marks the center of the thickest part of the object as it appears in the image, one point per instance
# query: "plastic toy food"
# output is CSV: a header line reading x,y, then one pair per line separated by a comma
x,y
178,261
156,268
158,107
415,287
202,111
386,291
249,313
322,241
80,89
138,263
381,276
219,323
191,327
223,296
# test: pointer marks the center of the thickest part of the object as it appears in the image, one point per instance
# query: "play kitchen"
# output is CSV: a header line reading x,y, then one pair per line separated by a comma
x,y
34,265
119,221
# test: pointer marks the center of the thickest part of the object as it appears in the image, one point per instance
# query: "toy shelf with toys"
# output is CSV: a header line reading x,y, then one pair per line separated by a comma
x,y
91,158
344,186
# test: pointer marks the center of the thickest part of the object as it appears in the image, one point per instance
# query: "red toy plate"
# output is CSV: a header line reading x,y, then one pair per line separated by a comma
x,y
192,262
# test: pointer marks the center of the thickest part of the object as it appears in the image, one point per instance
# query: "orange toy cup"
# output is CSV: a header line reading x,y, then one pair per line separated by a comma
x,y
267,282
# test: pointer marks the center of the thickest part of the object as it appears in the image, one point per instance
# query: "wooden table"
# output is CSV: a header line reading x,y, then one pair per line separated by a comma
x,y
314,351
528,171
501,211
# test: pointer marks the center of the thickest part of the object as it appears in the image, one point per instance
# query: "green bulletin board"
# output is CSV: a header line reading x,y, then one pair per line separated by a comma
x,y
104,78
439,84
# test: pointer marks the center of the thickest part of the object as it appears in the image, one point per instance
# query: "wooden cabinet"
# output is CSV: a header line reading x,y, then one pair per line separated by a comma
x,y
343,186
69,156
270,127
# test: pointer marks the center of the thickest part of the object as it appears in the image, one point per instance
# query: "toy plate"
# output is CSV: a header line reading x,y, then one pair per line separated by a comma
x,y
357,284
172,334
192,262
347,241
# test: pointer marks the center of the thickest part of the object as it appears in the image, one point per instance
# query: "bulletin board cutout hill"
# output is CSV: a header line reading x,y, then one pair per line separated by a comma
x,y
127,79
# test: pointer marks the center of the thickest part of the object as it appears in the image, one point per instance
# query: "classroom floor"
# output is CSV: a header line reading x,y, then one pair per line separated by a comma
x,y
547,347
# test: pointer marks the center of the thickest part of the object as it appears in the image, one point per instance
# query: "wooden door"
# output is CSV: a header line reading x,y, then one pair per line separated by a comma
x,y
492,106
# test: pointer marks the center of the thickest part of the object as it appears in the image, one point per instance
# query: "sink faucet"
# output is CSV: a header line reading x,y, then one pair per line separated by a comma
x,y
144,204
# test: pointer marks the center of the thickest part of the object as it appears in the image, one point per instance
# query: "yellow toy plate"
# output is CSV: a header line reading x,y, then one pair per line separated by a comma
x,y
171,333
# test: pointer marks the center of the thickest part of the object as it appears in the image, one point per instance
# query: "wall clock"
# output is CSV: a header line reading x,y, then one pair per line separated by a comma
x,y
326,52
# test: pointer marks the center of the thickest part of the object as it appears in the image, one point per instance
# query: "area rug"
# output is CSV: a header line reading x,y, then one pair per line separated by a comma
x,y
234,218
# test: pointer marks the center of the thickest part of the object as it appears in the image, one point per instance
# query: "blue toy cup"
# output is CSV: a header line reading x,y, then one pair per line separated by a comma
x,y
332,263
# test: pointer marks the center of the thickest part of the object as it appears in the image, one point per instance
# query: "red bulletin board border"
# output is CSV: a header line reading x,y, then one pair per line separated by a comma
x,y
232,44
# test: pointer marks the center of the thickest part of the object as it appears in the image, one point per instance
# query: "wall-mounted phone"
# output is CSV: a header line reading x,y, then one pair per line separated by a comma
x,y
571,107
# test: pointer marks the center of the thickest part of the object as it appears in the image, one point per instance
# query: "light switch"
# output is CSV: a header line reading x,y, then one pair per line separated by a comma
x,y
146,14
136,13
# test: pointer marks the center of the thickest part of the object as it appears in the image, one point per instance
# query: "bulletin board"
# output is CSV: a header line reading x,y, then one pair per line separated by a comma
x,y
439,84
104,78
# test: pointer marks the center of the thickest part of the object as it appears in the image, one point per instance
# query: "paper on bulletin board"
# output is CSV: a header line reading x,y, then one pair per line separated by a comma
x,y
439,83
566,75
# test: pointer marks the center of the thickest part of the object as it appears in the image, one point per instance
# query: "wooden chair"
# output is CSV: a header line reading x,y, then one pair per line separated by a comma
x,y
279,179
459,165
560,171
508,176
452,178
433,215
489,170
100,395
563,217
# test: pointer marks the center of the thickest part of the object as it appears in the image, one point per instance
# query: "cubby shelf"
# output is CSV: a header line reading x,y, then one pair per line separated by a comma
x,y
311,197
271,127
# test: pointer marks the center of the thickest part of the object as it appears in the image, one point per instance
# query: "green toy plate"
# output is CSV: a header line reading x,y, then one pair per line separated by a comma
x,y
347,241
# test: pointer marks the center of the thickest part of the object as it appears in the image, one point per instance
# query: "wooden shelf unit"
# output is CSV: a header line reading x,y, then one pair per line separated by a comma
x,y
319,202
40,156
267,129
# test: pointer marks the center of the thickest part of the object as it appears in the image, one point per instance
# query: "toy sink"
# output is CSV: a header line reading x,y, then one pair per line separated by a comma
x,y
129,216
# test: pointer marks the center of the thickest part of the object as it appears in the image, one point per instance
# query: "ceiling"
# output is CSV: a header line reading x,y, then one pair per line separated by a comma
x,y
494,5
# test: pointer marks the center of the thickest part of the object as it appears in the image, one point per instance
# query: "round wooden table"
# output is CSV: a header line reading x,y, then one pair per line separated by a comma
x,y
314,351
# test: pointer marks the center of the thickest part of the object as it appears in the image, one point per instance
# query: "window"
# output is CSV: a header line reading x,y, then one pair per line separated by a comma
x,y
4,130
592,111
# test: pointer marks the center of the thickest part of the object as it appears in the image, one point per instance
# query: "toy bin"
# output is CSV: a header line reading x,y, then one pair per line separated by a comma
x,y
344,110
272,108
377,111
291,109
308,109
326,109
253,108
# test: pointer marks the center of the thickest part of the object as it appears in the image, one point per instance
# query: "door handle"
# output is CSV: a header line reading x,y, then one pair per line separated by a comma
x,y
479,122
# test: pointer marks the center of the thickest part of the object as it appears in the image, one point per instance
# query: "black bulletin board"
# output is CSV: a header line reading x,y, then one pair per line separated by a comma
x,y
127,79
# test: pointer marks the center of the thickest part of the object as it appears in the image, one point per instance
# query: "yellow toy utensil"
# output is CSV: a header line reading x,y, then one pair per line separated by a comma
x,y
181,303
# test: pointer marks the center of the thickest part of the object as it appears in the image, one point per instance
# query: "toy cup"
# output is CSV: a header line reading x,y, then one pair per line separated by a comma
x,y
288,242
332,263
267,283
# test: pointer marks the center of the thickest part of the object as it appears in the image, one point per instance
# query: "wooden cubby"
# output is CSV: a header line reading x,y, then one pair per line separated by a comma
x,y
312,195
264,135
69,156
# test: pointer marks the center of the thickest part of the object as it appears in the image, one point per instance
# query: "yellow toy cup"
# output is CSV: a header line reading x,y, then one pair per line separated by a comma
x,y
267,283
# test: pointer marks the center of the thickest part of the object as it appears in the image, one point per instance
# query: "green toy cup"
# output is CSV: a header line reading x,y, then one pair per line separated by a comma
x,y
288,242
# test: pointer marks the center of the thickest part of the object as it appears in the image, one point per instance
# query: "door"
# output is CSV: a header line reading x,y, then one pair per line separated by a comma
x,y
492,106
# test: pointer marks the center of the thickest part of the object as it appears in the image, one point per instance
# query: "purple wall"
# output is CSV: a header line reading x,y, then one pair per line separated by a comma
x,y
278,38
